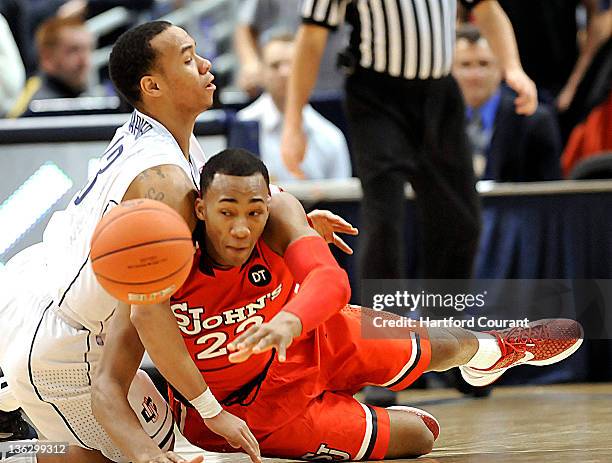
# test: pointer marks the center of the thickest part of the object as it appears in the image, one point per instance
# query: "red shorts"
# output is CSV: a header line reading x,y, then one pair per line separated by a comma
x,y
305,406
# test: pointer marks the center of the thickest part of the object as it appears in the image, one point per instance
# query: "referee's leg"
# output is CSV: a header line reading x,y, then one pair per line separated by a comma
x,y
376,139
447,202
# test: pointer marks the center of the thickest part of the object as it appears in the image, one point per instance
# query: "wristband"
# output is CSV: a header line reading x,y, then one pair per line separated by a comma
x,y
206,404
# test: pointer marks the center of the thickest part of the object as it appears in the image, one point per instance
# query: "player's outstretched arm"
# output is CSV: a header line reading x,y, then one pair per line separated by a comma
x,y
159,333
120,359
324,286
156,325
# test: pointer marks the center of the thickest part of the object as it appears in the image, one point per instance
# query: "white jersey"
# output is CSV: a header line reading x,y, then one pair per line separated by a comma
x,y
140,144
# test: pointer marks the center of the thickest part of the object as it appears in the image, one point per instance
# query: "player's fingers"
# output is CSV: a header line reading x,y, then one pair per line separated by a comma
x,y
349,231
253,340
232,346
240,356
235,444
173,457
340,223
249,338
265,344
251,447
342,245
282,352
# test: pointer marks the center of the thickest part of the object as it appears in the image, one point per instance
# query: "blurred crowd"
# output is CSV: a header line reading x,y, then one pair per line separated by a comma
x,y
48,51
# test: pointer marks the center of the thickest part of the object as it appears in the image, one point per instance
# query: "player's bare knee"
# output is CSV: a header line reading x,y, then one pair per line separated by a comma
x,y
409,437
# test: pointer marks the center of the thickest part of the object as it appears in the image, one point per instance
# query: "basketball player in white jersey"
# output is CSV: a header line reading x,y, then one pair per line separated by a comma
x,y
54,330
54,314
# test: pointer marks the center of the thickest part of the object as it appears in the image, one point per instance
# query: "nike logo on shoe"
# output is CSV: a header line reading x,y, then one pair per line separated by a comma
x,y
528,356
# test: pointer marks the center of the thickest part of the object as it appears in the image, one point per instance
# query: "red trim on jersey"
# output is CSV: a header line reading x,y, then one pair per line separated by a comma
x,y
324,286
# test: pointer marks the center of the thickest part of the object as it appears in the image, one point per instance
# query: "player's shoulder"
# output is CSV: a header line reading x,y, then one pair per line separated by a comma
x,y
286,223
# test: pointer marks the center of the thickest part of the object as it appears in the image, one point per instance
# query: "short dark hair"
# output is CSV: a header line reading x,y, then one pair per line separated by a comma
x,y
232,161
133,57
468,32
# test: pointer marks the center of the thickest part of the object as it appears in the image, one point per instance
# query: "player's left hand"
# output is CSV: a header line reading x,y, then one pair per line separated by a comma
x,y
327,224
277,334
527,100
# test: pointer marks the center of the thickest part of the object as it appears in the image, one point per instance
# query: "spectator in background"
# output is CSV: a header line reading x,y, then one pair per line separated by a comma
x,y
506,147
90,8
258,16
12,77
546,34
327,154
590,114
64,49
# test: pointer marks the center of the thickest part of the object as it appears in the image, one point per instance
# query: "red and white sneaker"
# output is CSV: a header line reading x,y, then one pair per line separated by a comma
x,y
429,420
543,342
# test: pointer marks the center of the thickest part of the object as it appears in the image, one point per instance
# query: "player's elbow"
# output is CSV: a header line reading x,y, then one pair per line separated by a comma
x,y
141,316
338,283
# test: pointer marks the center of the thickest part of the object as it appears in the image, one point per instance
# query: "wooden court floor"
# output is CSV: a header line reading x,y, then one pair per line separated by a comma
x,y
561,423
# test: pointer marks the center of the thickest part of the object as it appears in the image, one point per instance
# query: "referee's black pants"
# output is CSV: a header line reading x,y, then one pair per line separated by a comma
x,y
413,131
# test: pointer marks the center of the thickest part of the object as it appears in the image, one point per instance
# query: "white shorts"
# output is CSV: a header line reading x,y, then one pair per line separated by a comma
x,y
48,362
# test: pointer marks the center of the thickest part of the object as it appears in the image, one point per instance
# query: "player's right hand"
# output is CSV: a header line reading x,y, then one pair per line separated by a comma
x,y
170,457
236,432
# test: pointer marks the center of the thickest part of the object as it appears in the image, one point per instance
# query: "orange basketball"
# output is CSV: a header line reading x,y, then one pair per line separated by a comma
x,y
141,251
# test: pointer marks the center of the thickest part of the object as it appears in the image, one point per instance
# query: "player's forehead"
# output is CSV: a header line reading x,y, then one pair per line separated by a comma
x,y
171,42
239,188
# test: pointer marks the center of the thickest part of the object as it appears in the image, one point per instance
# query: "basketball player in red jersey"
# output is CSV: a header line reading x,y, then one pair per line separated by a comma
x,y
242,299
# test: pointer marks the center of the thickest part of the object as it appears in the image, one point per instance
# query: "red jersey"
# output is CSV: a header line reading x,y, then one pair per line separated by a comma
x,y
214,306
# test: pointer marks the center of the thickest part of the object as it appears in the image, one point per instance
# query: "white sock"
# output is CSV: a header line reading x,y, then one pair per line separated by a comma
x,y
487,354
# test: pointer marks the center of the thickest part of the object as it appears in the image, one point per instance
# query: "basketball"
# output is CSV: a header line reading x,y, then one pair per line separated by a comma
x,y
141,251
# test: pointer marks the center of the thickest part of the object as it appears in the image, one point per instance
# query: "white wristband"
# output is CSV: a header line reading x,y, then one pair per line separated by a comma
x,y
206,404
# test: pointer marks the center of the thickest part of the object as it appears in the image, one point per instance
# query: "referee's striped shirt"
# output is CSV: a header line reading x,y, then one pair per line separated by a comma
x,y
413,39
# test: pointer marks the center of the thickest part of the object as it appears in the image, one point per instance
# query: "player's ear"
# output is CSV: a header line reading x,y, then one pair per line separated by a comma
x,y
200,209
149,86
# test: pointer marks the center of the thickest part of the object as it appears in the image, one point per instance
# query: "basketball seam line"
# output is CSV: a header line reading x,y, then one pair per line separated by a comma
x,y
145,209
127,248
148,282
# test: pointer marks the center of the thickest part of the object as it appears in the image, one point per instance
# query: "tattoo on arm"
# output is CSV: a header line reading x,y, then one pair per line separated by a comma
x,y
154,194
159,172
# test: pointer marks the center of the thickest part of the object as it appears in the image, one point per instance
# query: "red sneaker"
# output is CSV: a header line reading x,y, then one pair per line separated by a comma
x,y
543,342
429,420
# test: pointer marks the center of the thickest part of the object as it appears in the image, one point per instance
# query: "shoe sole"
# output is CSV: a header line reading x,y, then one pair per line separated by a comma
x,y
485,380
